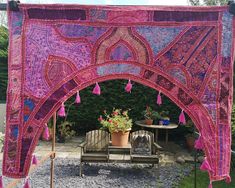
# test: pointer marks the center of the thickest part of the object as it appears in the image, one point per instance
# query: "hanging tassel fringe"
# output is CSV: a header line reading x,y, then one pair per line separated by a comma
x,y
78,99
228,179
61,111
26,185
46,135
159,99
34,160
182,118
128,87
210,185
205,166
96,90
1,182
198,143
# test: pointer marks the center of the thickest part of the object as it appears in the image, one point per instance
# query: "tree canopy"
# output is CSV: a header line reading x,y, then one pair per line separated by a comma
x,y
208,2
3,61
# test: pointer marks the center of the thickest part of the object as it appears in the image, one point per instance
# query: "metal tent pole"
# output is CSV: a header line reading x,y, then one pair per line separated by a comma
x,y
53,150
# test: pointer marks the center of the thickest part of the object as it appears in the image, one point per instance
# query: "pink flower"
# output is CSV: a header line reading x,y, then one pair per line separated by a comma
x,y
100,118
115,113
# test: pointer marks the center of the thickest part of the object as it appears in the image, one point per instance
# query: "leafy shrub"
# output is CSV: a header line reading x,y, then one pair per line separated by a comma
x,y
113,95
3,61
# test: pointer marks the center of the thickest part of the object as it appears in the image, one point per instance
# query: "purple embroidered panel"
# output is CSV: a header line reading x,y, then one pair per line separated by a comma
x,y
54,50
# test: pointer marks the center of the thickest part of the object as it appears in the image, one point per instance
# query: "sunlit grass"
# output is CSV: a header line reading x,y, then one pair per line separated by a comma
x,y
203,181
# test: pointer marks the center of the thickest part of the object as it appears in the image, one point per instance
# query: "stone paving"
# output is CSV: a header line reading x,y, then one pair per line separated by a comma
x,y
70,149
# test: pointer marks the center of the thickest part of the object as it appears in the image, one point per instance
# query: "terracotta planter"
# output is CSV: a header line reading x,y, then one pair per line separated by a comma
x,y
190,142
148,121
120,138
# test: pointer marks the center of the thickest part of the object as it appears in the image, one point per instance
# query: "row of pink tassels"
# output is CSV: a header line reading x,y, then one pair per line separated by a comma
x,y
128,88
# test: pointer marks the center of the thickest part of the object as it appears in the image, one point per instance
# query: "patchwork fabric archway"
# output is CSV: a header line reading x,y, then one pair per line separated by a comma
x,y
184,52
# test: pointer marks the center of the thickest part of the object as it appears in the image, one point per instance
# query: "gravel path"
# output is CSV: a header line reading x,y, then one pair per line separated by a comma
x,y
106,175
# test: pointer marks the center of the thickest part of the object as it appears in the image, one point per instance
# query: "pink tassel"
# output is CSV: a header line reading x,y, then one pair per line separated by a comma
x,y
198,143
159,99
96,90
128,86
26,185
205,166
46,134
210,185
228,179
182,118
61,111
78,99
1,182
34,160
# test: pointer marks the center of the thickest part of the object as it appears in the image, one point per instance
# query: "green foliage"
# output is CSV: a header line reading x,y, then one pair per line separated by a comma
x,y
164,114
114,96
149,113
3,61
1,138
208,2
189,128
194,2
65,130
233,121
203,180
117,121
233,136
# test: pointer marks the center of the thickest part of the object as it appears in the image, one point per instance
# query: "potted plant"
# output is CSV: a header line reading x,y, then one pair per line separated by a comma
x,y
119,125
65,131
149,115
190,139
164,118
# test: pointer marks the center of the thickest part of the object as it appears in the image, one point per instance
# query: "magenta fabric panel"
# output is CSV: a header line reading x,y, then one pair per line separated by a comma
x,y
56,50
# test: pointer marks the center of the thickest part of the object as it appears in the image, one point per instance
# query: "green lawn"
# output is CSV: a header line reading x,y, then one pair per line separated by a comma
x,y
203,181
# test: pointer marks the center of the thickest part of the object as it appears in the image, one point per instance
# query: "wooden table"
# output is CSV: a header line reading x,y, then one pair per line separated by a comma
x,y
156,127
119,154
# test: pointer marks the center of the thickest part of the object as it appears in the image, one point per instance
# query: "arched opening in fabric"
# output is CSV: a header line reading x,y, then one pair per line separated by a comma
x,y
70,86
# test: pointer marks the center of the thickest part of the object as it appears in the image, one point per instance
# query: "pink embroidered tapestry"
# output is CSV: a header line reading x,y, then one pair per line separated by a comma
x,y
56,50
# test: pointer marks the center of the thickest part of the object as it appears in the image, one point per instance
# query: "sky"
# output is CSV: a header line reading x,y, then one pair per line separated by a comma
x,y
113,2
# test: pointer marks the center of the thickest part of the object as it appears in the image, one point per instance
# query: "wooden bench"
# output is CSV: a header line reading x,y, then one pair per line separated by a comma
x,y
96,148
143,148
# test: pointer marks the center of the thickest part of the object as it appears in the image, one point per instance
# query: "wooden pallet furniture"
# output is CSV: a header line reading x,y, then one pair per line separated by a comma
x,y
143,148
119,154
95,147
